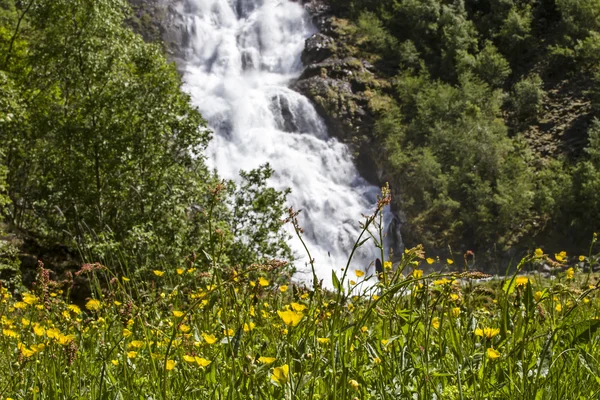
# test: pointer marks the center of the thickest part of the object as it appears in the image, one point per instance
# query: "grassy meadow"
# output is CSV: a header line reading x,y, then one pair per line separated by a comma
x,y
222,333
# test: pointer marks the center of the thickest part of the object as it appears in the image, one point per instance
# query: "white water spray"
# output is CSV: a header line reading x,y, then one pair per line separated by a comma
x,y
242,54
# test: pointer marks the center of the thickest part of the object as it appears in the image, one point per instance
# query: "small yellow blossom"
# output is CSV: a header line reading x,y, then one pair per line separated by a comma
x,y
263,282
323,340
65,339
539,253
53,333
354,384
417,273
487,332
132,354
126,332
435,322
281,374
492,354
125,279
283,288
266,360
249,326
158,273
387,265
184,328
136,344
170,365
114,362
581,258
290,318
178,314
558,308
74,309
455,312
522,281
93,305
39,330
359,273
449,261
202,362
561,257
180,271
570,273
210,339
189,359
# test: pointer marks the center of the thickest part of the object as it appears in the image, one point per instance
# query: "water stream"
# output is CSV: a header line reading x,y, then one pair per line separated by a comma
x,y
240,58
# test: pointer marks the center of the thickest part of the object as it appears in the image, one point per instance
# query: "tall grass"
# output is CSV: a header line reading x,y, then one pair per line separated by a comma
x,y
206,330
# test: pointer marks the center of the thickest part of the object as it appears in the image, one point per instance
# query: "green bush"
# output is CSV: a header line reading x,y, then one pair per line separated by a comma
x,y
528,97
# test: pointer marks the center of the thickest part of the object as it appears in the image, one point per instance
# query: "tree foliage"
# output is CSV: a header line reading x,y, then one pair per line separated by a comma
x,y
102,148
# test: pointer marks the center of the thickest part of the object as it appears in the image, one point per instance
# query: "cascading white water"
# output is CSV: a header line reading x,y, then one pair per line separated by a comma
x,y
241,56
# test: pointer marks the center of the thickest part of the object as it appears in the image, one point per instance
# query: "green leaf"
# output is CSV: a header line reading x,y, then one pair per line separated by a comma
x,y
336,282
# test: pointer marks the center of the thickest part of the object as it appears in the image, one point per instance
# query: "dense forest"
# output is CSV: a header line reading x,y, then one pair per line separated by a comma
x,y
484,117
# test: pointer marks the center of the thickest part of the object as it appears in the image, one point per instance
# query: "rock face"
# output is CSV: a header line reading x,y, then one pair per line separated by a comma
x,y
345,88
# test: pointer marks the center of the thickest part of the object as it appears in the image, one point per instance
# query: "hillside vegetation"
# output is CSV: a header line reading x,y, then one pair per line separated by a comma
x,y
484,117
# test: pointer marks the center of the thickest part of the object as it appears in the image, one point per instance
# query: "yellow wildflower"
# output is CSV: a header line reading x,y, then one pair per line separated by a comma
x,y
387,265
263,282
538,295
93,305
178,314
417,273
65,339
522,280
281,374
20,305
539,253
125,279
170,365
353,384
581,258
126,333
487,332
570,273
323,340
158,273
430,261
492,354
184,328
298,307
359,273
189,359
53,333
180,271
266,360
10,333
210,339
132,354
25,351
249,327
74,309
290,318
202,362
39,330
435,322
449,261
136,344
561,257
114,362
29,298
455,312
558,308
283,288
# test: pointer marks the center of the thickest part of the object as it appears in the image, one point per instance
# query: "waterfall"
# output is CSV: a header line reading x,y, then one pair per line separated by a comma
x,y
239,58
